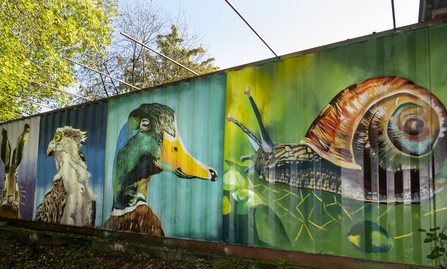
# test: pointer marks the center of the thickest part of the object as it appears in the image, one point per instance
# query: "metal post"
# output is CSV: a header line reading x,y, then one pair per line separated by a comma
x,y
394,16
30,101
65,58
240,15
161,54
74,94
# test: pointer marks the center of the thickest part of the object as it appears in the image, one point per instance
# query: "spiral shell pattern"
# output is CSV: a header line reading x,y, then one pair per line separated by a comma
x,y
398,123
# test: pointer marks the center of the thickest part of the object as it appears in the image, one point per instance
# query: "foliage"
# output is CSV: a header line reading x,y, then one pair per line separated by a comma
x,y
138,66
34,35
441,240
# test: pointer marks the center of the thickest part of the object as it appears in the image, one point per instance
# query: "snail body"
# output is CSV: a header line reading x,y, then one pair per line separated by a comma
x,y
380,140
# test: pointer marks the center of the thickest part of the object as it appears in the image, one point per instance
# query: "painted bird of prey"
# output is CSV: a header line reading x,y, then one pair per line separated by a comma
x,y
70,200
148,144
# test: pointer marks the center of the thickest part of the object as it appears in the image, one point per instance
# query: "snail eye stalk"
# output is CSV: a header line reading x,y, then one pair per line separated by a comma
x,y
251,137
267,144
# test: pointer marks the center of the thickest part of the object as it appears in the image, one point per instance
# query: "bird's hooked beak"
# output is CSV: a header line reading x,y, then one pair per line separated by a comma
x,y
50,149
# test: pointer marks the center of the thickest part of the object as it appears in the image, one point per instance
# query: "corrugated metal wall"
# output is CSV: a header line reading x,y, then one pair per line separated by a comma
x,y
90,119
290,95
187,208
338,171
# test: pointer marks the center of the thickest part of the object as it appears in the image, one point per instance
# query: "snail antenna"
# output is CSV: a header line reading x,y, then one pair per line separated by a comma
x,y
267,144
251,137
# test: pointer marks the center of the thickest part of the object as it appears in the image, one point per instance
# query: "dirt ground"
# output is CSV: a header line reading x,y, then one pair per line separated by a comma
x,y
16,254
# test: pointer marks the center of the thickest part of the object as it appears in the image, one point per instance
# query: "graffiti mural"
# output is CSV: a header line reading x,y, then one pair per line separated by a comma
x,y
10,201
388,123
160,170
340,150
70,200
149,143
69,179
18,167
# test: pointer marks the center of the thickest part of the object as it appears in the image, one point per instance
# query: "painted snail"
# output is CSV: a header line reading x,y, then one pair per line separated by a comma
x,y
381,140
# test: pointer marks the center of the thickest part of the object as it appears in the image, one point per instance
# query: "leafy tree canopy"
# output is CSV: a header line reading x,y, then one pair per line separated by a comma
x,y
34,35
138,66
155,69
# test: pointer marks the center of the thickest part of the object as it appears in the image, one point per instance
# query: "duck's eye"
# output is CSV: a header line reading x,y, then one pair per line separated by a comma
x,y
144,125
175,149
58,137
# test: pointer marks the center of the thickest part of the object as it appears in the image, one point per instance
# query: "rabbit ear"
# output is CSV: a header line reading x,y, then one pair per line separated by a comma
x,y
21,143
5,152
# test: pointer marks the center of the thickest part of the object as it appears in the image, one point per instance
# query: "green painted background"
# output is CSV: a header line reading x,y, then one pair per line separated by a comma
x,y
290,93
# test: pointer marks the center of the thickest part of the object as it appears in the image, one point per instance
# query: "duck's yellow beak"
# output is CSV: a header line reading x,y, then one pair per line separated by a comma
x,y
176,159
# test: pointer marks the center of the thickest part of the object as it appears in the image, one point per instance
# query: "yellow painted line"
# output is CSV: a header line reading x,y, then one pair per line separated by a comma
x,y
271,189
402,236
248,177
434,211
327,223
296,217
264,189
324,206
292,193
281,205
302,201
385,212
284,214
299,233
308,219
262,199
345,211
317,196
301,215
360,208
335,201
282,197
310,234
280,189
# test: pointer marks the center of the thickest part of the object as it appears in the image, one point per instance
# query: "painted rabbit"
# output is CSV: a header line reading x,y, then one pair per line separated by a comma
x,y
10,201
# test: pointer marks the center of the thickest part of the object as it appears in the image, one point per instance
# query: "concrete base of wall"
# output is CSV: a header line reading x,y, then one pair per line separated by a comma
x,y
177,249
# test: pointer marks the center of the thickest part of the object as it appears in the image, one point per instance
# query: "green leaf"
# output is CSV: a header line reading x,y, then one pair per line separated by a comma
x,y
434,229
421,230
270,228
226,206
241,194
233,180
442,236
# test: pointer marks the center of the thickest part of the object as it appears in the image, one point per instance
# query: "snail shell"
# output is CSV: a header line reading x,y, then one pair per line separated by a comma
x,y
385,122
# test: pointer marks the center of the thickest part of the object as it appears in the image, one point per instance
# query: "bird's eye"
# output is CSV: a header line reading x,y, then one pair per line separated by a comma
x,y
145,125
175,149
58,137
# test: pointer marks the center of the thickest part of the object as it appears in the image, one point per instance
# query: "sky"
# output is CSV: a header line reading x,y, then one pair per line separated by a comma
x,y
286,25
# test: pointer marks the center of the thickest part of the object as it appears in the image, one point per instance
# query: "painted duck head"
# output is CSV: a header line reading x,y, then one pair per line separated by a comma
x,y
148,144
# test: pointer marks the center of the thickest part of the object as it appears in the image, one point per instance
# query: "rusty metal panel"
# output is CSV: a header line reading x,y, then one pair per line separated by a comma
x,y
19,141
336,167
70,171
164,161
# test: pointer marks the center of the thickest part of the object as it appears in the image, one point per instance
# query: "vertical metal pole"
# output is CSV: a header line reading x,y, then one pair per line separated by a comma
x,y
394,15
